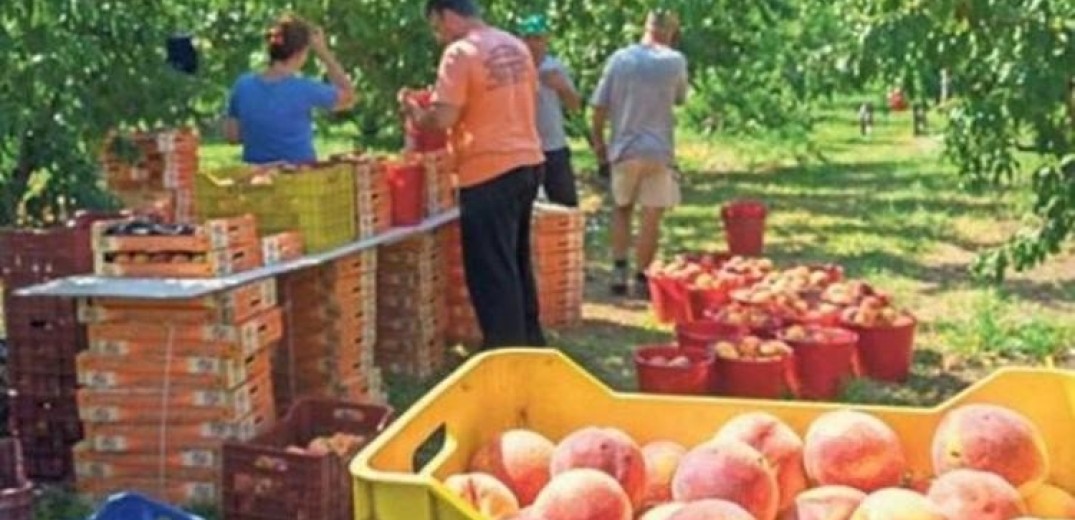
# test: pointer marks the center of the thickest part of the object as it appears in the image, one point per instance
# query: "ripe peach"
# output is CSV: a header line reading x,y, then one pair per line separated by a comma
x,y
712,510
728,470
605,449
485,493
663,511
897,504
778,443
583,494
1051,502
967,494
854,449
828,503
662,458
995,439
518,458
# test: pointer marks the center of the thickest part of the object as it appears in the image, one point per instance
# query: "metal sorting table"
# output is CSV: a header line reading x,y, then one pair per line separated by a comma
x,y
87,286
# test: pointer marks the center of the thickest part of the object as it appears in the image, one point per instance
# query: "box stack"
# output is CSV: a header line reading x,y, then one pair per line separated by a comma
x,y
411,311
43,337
330,332
558,237
153,172
439,183
142,248
462,322
373,201
317,200
282,247
165,383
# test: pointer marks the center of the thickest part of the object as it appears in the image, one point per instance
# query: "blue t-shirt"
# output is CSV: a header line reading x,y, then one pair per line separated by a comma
x,y
276,116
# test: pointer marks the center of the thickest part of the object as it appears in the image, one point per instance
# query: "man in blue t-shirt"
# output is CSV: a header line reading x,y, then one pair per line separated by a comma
x,y
271,113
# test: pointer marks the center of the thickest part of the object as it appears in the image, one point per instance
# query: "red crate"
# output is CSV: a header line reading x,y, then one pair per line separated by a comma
x,y
45,418
16,492
263,481
30,256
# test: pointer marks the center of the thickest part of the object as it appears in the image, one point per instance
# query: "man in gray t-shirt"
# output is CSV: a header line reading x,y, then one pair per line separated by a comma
x,y
556,92
637,94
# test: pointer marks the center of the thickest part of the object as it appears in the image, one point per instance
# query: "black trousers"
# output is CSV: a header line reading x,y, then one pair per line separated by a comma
x,y
559,179
495,225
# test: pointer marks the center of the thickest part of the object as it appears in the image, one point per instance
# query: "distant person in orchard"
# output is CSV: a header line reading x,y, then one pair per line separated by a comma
x,y
556,92
636,95
271,112
485,95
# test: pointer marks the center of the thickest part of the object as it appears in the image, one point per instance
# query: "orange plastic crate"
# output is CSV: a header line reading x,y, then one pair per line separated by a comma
x,y
220,262
100,371
212,235
134,437
260,330
169,490
179,405
92,465
232,307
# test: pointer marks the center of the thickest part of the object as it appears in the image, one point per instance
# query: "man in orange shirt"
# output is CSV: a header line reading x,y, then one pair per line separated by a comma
x,y
485,96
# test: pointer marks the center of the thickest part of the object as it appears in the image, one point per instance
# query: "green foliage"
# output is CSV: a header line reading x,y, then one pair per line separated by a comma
x,y
1013,67
71,73
83,69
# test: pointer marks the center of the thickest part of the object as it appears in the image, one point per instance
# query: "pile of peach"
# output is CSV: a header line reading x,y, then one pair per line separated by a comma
x,y
989,463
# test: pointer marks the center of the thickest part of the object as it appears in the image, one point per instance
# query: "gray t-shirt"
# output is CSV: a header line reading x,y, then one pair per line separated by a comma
x,y
640,87
550,112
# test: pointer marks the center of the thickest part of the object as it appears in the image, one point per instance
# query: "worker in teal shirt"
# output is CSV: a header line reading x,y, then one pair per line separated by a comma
x,y
271,113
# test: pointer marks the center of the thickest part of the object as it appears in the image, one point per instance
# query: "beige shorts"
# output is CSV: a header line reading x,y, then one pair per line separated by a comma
x,y
648,183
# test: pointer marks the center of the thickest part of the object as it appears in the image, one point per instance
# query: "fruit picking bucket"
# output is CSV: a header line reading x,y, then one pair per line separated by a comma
x,y
407,186
419,140
658,378
669,299
885,353
703,300
744,227
755,379
703,334
823,367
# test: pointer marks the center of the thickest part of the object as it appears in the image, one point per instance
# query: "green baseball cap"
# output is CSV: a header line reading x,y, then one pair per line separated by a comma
x,y
534,25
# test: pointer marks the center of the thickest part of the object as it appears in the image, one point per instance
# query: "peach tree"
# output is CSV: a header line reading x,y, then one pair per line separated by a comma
x,y
1012,115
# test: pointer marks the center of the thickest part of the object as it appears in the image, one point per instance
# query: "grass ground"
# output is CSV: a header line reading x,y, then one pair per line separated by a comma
x,y
885,207
889,210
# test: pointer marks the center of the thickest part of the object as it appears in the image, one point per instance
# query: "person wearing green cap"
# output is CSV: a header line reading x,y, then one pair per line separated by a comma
x,y
556,93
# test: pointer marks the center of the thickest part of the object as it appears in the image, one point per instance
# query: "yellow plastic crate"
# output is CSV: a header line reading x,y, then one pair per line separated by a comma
x,y
544,391
317,202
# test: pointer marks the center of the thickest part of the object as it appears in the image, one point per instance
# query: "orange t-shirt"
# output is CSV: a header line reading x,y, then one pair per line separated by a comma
x,y
491,77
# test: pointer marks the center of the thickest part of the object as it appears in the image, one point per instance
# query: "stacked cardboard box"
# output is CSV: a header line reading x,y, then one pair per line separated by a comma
x,y
462,321
558,237
153,172
330,332
411,312
164,383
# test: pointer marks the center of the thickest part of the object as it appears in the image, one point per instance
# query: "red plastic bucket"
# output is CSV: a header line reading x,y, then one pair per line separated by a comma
x,y
417,139
695,378
703,334
669,300
407,186
744,227
767,379
705,300
823,367
885,353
